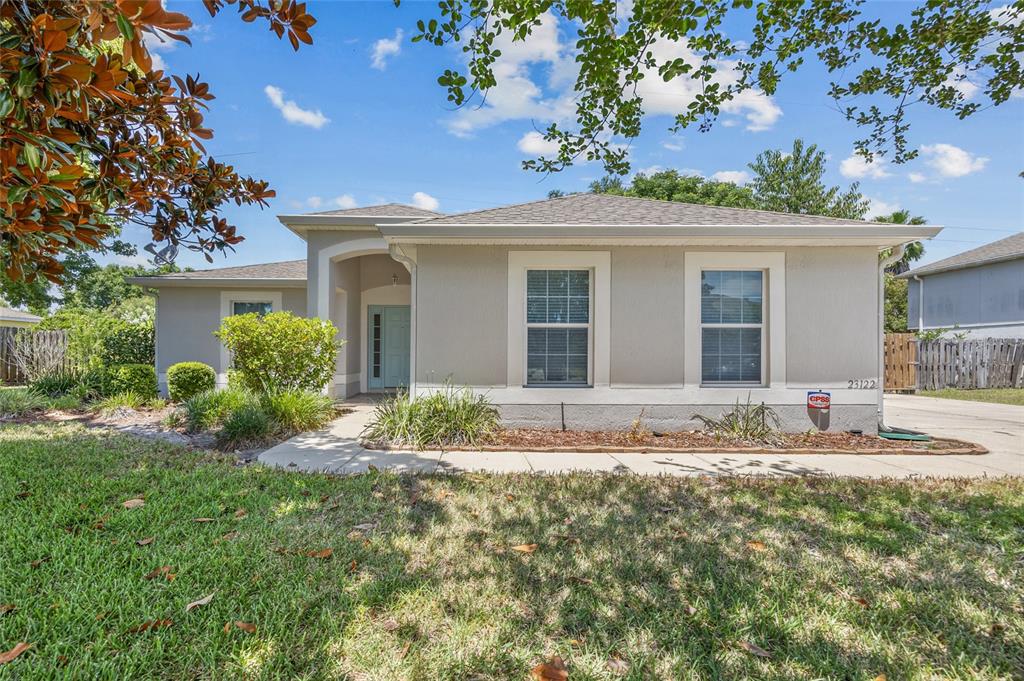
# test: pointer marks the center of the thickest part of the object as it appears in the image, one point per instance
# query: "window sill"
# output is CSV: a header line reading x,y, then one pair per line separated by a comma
x,y
556,386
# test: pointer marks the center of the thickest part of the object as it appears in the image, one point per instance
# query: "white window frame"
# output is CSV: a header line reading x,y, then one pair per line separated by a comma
x,y
588,325
773,314
762,326
599,264
227,306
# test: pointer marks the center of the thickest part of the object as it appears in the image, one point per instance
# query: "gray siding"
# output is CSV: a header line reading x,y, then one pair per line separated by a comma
x,y
985,295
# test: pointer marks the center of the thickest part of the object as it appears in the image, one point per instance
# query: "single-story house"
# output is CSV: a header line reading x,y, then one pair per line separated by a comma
x,y
583,310
18,319
979,292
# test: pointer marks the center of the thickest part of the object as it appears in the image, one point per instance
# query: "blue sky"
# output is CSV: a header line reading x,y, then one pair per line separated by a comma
x,y
357,118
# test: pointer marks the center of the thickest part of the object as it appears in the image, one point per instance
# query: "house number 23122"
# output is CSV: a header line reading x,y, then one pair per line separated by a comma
x,y
862,384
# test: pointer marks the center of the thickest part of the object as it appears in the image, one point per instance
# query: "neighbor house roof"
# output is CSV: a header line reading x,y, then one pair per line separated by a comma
x,y
9,314
396,210
1010,248
361,219
289,274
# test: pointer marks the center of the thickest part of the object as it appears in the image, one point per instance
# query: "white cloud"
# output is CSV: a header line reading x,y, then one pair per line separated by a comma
x,y
856,166
959,81
292,112
916,178
534,143
674,146
734,176
650,170
384,49
425,201
952,161
314,202
878,207
345,201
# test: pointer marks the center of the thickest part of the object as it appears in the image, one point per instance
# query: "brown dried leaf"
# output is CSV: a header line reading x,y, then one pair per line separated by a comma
x,y
202,520
617,665
150,625
390,624
7,607
137,502
202,601
756,546
241,513
18,649
146,542
23,495
162,570
754,649
322,554
405,650
244,626
39,561
525,548
552,670
227,537
860,601
881,677
581,580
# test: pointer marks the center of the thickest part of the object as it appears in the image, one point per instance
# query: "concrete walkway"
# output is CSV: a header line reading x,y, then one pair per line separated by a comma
x,y
999,428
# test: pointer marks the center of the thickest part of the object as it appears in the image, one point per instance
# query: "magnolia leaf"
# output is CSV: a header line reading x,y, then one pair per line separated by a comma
x,y
202,520
241,513
146,542
7,607
137,502
14,652
525,548
244,626
149,625
162,570
552,670
756,546
754,649
202,601
322,554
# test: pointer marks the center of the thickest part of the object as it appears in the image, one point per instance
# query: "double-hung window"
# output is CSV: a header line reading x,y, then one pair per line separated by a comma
x,y
732,326
558,327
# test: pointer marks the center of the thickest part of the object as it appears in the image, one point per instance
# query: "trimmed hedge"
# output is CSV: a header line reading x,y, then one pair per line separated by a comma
x,y
186,379
136,378
128,344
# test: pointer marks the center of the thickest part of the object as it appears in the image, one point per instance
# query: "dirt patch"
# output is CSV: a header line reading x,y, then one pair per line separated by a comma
x,y
584,441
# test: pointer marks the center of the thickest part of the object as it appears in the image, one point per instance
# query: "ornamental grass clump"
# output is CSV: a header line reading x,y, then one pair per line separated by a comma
x,y
294,411
448,417
209,408
748,423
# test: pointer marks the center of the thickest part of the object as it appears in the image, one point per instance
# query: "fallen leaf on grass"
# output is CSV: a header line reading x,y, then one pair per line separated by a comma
x,y
7,607
137,502
23,495
881,677
227,537
39,561
241,513
860,601
18,649
322,554
756,546
195,604
202,520
617,665
552,670
690,610
162,570
146,542
149,625
510,497
244,626
364,527
390,624
582,580
405,650
525,548
754,649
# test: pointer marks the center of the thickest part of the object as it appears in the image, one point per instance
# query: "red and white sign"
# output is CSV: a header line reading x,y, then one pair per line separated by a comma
x,y
819,400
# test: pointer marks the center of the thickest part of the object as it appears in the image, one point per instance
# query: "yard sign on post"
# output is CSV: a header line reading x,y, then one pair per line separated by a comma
x,y
816,399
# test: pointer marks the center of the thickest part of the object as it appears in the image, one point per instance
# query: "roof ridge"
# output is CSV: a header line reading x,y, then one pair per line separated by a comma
x,y
504,206
375,205
958,261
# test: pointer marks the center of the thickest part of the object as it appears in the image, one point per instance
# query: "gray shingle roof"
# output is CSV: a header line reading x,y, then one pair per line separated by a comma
x,y
1010,248
9,314
289,269
608,209
383,210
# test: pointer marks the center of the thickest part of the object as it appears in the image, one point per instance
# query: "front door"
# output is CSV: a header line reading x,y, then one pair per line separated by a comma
x,y
388,351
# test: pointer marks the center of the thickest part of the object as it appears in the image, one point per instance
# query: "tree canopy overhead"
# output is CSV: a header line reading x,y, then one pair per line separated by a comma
x,y
93,137
877,69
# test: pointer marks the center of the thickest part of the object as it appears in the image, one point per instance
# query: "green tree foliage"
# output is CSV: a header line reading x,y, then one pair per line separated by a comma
x,y
913,251
791,182
670,185
895,304
879,70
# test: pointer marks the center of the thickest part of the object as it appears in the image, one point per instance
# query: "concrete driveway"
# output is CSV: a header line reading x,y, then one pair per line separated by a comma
x,y
336,449
998,427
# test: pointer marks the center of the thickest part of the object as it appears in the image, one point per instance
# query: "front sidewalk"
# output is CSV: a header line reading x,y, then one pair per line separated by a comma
x,y
337,450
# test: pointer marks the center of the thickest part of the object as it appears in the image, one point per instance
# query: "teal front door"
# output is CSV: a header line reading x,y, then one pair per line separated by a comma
x,y
388,351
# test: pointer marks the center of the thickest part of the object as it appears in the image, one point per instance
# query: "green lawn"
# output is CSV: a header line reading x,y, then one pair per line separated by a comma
x,y
994,395
836,579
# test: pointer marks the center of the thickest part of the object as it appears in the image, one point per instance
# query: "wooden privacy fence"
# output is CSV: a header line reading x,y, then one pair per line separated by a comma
x,y
900,362
986,363
48,346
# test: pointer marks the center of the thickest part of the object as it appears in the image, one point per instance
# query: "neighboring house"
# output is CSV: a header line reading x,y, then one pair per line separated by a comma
x,y
584,310
978,292
16,318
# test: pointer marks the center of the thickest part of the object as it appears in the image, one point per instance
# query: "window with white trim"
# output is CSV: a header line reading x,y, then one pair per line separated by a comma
x,y
558,327
247,307
732,327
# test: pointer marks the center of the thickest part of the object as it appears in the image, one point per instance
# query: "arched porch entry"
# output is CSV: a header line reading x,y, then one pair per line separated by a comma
x,y
368,293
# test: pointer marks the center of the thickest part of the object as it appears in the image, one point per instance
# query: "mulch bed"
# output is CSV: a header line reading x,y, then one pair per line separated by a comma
x,y
583,441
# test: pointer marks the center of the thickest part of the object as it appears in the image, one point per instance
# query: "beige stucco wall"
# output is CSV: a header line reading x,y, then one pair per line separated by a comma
x,y
462,315
188,316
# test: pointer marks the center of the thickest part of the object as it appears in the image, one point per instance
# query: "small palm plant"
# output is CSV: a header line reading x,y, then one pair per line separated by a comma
x,y
751,423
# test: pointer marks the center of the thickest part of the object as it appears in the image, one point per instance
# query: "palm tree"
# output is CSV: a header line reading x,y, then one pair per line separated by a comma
x,y
913,250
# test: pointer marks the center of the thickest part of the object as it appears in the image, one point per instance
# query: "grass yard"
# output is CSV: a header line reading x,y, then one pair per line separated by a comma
x,y
675,578
994,395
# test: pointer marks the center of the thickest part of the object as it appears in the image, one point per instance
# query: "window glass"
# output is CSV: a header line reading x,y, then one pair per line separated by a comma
x,y
732,329
558,327
260,308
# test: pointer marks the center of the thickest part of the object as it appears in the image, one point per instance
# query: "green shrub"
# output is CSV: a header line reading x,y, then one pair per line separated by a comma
x,y
90,385
64,403
87,329
450,416
137,378
296,411
126,399
55,383
17,402
126,343
186,379
205,410
280,351
248,424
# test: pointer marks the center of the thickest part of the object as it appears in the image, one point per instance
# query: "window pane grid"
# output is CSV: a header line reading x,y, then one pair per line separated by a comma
x,y
558,327
732,328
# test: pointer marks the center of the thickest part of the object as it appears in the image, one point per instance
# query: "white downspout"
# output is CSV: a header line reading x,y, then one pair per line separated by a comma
x,y
920,303
883,263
